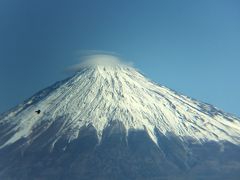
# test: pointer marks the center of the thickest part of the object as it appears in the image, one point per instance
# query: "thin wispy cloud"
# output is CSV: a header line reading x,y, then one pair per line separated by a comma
x,y
94,57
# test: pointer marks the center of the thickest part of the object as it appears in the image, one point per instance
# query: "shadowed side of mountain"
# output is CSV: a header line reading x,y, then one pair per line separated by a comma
x,y
121,154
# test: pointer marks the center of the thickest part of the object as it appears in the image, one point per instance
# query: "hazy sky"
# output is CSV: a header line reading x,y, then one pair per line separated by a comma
x,y
190,46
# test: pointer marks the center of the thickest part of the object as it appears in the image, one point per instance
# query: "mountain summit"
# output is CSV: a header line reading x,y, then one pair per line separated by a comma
x,y
110,122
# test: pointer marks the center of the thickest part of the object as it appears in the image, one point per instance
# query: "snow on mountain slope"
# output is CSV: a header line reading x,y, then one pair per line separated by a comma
x,y
104,90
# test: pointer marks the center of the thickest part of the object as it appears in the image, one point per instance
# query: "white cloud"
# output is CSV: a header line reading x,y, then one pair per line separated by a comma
x,y
93,58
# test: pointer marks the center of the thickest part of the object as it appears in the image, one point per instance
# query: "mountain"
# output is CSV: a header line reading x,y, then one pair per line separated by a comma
x,y
109,122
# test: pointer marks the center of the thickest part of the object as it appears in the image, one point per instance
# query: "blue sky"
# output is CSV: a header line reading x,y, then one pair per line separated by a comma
x,y
190,46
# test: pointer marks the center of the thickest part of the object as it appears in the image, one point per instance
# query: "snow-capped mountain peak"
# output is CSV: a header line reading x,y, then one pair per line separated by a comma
x,y
104,91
